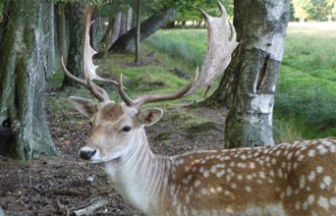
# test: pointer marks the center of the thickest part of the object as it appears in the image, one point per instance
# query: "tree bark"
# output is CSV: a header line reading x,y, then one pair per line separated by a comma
x,y
108,31
61,31
76,33
126,42
93,30
137,35
248,85
123,24
25,39
129,18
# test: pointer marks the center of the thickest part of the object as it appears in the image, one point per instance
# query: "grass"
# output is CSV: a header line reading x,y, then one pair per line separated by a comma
x,y
306,92
190,45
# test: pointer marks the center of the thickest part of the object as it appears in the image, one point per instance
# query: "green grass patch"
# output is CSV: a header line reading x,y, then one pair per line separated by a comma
x,y
190,45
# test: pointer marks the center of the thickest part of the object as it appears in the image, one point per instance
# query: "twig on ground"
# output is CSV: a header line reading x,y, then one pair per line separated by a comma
x,y
91,207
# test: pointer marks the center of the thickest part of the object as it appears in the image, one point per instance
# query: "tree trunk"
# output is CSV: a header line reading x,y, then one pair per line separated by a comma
x,y
76,32
137,35
112,31
61,31
123,24
108,31
24,47
115,30
93,30
248,85
126,42
129,18
49,21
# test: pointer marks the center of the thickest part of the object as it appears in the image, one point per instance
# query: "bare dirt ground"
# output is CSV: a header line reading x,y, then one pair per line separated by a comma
x,y
63,185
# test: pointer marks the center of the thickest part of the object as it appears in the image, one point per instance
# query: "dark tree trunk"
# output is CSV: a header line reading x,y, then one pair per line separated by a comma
x,y
111,34
248,85
108,32
137,35
61,31
24,47
76,32
126,42
93,31
49,22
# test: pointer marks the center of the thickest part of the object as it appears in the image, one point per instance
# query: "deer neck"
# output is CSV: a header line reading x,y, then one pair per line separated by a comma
x,y
139,175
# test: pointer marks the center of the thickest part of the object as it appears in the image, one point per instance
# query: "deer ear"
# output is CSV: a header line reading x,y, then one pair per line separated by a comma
x,y
150,116
84,106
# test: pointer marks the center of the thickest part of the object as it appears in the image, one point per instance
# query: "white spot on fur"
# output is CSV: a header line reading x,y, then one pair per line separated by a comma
x,y
311,153
302,181
262,175
333,201
312,176
295,165
233,186
326,182
301,157
206,173
322,149
241,165
249,177
323,202
319,169
220,173
213,169
289,191
311,199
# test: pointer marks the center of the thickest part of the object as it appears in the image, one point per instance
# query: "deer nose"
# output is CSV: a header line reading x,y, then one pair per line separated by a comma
x,y
87,154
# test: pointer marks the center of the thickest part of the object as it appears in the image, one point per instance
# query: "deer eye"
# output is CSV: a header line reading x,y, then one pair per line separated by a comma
x,y
126,129
90,123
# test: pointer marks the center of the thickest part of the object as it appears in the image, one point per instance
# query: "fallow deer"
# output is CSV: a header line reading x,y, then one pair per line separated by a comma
x,y
286,179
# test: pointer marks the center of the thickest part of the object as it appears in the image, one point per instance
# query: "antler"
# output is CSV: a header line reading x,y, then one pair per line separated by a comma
x,y
89,69
217,58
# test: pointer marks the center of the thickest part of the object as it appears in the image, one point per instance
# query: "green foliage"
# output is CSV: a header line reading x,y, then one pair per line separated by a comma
x,y
331,7
314,9
189,11
1,6
303,8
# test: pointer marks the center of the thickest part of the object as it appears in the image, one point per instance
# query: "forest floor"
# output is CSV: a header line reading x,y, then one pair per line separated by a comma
x,y
65,185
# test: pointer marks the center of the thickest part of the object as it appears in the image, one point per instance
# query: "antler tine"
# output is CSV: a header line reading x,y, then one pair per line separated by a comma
x,y
89,69
216,60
